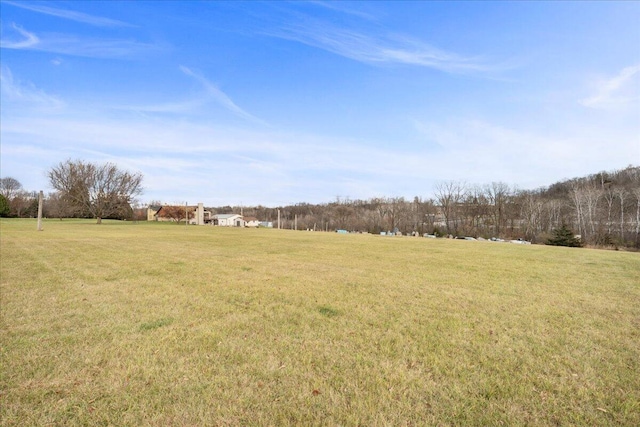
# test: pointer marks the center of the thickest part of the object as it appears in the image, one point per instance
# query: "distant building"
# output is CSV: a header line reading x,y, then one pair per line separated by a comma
x,y
152,211
196,214
250,221
228,220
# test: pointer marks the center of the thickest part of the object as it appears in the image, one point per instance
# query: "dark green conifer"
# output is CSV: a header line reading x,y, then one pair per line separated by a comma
x,y
4,206
564,236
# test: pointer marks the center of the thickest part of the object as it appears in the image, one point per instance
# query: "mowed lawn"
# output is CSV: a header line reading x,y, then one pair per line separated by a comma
x,y
162,324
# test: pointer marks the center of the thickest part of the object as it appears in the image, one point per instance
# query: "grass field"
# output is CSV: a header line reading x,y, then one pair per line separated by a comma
x,y
159,324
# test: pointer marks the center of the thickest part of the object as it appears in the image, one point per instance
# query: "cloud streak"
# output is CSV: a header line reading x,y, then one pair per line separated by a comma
x,y
29,40
219,96
611,92
276,167
525,158
338,7
26,96
389,49
75,46
84,18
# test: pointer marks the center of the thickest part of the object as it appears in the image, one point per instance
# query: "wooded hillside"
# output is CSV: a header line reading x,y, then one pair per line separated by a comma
x,y
603,208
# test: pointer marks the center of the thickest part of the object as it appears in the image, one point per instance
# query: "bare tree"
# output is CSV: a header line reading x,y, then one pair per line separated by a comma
x,y
592,195
497,194
449,194
398,213
13,193
636,193
342,211
555,217
102,190
577,198
56,207
531,212
382,211
24,204
621,193
476,209
609,196
10,187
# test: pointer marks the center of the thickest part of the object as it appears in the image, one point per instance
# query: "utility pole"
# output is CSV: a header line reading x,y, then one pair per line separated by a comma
x,y
40,197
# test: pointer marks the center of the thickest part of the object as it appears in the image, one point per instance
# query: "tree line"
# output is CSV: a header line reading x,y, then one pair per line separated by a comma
x,y
602,208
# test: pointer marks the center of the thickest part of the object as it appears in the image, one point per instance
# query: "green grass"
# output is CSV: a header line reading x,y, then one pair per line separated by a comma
x,y
158,324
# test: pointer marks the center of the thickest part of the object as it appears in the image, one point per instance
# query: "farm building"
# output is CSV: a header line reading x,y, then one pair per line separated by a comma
x,y
196,214
228,220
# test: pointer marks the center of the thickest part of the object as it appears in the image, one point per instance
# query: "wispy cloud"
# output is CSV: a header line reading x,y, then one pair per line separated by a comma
x,y
164,107
612,92
28,40
70,14
339,7
180,156
377,49
266,167
219,96
527,158
16,93
76,46
96,48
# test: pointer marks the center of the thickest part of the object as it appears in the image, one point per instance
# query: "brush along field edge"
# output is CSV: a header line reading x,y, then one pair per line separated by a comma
x,y
155,324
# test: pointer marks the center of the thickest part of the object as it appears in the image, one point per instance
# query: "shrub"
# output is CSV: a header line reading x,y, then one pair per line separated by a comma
x,y
4,206
564,236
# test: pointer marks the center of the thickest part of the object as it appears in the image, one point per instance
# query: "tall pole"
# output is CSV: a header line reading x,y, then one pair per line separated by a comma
x,y
40,197
278,219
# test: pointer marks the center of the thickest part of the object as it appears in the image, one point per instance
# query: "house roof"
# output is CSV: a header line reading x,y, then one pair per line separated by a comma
x,y
226,216
190,209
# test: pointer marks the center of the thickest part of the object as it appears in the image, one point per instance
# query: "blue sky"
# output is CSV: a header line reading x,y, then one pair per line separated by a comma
x,y
282,102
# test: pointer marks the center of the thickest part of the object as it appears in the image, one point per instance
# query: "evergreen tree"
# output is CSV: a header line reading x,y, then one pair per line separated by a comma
x,y
4,206
564,236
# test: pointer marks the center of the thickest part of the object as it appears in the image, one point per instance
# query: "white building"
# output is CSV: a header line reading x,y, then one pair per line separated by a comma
x,y
228,220
250,221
